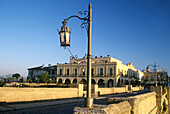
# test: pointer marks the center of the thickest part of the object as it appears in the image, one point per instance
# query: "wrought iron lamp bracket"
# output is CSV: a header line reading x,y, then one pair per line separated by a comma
x,y
154,65
85,20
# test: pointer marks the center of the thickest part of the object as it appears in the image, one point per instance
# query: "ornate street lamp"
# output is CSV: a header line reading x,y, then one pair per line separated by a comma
x,y
65,42
64,35
154,66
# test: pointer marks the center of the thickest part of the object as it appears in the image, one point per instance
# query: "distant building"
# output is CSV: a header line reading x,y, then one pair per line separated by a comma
x,y
106,72
35,71
150,77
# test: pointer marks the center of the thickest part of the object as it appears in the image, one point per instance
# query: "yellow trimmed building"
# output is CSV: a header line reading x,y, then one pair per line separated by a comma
x,y
106,72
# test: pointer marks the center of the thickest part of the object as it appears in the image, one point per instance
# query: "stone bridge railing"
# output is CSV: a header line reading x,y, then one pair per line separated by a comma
x,y
139,104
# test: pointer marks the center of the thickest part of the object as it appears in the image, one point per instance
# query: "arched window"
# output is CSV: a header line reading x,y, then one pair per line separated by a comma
x,y
83,71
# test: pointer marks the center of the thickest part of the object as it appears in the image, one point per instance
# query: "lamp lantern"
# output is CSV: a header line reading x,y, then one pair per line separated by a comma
x,y
64,35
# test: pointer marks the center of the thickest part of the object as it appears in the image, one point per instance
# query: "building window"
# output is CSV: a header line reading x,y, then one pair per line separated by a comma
x,y
67,72
157,77
75,71
147,78
83,70
53,72
114,71
92,71
61,73
101,71
122,72
161,77
152,77
111,71
118,72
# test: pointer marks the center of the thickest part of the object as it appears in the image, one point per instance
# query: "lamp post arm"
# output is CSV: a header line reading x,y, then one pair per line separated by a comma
x,y
85,20
75,16
151,65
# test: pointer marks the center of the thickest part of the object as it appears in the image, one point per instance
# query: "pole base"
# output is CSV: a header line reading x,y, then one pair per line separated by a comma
x,y
88,102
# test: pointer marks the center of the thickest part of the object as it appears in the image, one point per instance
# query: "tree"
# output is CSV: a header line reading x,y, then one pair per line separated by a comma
x,y
13,79
5,80
50,80
44,78
1,83
9,79
16,75
53,79
21,80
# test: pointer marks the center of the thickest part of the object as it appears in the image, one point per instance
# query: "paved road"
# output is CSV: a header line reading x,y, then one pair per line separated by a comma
x,y
65,107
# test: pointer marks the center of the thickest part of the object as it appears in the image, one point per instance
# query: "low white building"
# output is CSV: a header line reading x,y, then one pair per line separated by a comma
x,y
35,71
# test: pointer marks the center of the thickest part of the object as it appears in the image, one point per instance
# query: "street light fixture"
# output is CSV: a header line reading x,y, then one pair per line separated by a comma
x,y
64,35
155,71
65,42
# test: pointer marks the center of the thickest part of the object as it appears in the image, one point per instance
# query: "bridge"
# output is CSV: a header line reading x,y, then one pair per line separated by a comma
x,y
155,99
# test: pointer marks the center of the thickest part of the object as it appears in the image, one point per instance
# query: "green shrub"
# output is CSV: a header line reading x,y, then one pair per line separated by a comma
x,y
24,85
1,83
5,85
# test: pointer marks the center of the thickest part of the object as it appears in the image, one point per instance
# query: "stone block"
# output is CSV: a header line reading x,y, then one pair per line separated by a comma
x,y
121,108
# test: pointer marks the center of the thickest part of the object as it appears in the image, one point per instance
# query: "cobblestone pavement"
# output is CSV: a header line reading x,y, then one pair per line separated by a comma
x,y
66,108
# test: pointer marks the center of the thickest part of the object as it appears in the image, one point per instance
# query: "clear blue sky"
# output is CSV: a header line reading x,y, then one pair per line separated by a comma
x,y
136,31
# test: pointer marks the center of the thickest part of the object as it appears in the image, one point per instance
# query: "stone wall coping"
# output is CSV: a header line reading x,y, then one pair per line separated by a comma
x,y
132,98
104,109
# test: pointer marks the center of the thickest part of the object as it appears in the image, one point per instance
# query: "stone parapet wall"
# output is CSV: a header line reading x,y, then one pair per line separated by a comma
x,y
120,108
103,91
30,84
144,104
112,90
137,88
11,94
140,104
161,96
168,95
119,89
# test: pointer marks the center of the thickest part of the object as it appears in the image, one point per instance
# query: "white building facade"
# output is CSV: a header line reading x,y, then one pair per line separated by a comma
x,y
106,72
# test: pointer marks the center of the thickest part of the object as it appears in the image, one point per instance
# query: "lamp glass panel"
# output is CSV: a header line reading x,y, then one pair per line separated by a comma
x,y
62,37
67,37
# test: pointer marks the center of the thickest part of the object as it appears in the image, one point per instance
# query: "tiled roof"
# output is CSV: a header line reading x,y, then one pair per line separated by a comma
x,y
43,68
